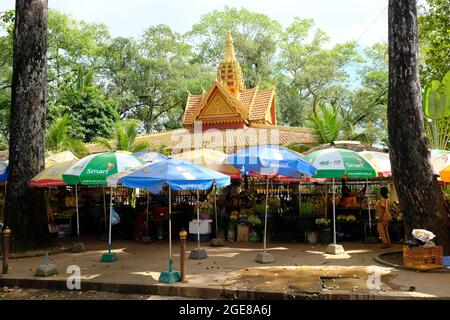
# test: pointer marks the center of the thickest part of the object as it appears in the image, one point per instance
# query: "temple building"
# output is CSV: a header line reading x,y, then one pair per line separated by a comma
x,y
229,116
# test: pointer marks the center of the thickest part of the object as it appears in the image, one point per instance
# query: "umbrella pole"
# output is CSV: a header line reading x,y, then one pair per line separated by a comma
x,y
4,200
334,213
368,208
78,216
299,198
265,216
110,222
170,231
109,256
198,220
148,202
104,207
170,276
215,210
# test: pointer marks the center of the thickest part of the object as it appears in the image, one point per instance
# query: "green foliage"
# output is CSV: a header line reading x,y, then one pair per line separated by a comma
x,y
297,147
436,107
255,40
308,73
91,111
125,134
149,77
332,123
58,138
434,39
436,98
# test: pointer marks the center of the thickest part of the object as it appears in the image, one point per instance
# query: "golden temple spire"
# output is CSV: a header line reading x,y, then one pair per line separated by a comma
x,y
229,54
229,71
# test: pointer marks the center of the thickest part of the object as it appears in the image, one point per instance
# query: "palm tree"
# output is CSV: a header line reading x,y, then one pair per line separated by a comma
x,y
58,138
125,133
332,123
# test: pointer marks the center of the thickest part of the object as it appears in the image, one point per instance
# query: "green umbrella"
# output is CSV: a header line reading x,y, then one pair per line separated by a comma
x,y
335,163
94,169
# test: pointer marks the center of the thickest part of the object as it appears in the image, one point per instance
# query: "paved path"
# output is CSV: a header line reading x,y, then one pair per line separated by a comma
x,y
298,270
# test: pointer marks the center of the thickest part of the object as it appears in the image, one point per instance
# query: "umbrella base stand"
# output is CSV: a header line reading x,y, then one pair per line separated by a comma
x,y
170,276
146,239
371,240
216,242
78,247
198,254
109,257
46,269
335,249
265,257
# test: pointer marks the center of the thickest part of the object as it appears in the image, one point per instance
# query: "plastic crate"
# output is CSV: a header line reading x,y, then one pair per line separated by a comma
x,y
423,258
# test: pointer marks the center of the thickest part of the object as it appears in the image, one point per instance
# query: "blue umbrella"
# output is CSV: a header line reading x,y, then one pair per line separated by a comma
x,y
271,160
149,157
178,175
3,171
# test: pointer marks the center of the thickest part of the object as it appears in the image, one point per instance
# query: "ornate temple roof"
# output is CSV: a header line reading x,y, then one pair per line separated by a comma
x,y
231,101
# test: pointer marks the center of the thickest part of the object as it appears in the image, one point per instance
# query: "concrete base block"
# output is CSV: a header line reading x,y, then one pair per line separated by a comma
x,y
146,239
265,257
371,240
216,242
46,270
335,249
198,254
78,247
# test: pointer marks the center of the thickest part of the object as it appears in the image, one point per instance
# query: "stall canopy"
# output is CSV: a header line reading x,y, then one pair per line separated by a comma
x,y
149,157
59,158
338,163
3,171
270,161
178,175
380,161
52,176
93,169
211,159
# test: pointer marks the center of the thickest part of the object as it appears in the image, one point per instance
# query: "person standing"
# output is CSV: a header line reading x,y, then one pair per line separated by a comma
x,y
384,217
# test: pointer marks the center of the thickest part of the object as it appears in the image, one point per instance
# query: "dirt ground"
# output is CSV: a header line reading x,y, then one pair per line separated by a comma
x,y
42,294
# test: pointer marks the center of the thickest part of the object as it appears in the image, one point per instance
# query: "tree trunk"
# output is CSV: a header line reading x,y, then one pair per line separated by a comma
x,y
421,199
25,208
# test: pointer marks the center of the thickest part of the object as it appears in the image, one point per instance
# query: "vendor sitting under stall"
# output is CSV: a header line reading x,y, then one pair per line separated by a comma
x,y
349,198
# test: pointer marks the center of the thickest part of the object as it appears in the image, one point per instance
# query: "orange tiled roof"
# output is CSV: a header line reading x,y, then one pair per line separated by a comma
x,y
193,102
229,140
261,104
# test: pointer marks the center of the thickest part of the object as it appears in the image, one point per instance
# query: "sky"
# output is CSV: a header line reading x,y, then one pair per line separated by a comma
x,y
343,20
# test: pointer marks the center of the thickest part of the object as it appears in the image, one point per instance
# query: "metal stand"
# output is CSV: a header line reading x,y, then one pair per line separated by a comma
x,y
265,257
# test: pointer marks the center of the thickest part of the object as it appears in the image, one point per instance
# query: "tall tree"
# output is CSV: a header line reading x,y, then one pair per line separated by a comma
x,y
420,196
255,39
25,208
309,73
